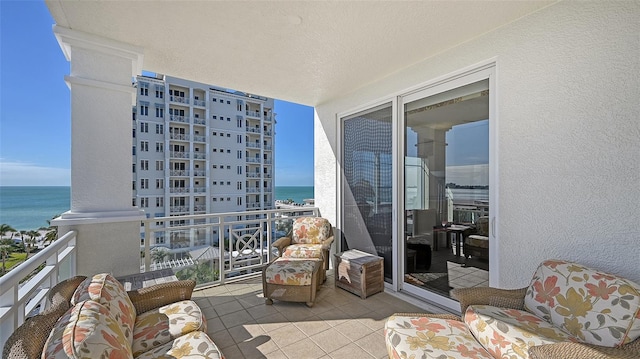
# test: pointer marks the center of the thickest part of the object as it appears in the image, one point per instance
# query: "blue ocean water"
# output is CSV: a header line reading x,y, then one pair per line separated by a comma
x,y
29,208
296,193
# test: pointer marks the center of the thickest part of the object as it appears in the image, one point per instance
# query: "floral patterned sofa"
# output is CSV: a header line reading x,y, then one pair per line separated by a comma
x,y
567,311
102,320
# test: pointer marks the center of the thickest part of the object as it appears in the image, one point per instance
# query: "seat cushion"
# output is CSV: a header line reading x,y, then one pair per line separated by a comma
x,y
87,330
507,333
414,336
595,307
310,230
192,345
290,271
163,325
478,241
303,251
106,290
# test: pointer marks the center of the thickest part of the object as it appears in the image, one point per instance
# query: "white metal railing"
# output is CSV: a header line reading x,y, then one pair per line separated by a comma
x,y
199,103
253,175
179,99
199,156
179,136
199,189
246,244
179,154
253,160
253,114
179,190
267,133
253,145
253,130
199,138
267,118
268,162
268,147
253,190
18,300
179,173
199,121
199,173
179,209
176,118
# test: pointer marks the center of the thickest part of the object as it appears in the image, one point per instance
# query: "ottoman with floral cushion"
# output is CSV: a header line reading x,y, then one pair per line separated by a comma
x,y
567,311
291,280
103,321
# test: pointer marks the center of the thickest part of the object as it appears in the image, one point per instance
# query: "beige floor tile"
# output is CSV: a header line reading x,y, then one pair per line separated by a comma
x,y
313,325
306,349
241,333
262,310
374,344
228,307
351,350
353,329
272,322
286,335
259,347
330,340
236,318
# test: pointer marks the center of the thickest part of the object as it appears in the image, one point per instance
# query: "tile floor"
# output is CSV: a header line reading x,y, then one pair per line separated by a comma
x,y
339,325
466,277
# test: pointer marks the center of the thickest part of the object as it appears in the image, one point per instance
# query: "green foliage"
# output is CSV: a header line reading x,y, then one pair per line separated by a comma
x,y
201,273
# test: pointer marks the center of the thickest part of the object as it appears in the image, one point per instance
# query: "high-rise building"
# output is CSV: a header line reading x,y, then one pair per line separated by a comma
x,y
200,149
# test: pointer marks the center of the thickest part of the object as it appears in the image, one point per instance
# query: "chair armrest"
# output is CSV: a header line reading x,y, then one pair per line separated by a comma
x,y
568,350
281,243
146,299
505,298
326,244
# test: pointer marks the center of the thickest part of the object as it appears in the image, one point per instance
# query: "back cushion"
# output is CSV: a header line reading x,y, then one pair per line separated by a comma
x,y
106,290
310,230
595,307
87,330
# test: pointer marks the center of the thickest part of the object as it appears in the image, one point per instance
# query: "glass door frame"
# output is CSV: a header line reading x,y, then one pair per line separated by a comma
x,y
451,82
481,71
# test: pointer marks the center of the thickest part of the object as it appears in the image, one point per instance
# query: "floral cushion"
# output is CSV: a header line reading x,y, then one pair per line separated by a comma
x,y
87,330
424,337
106,290
193,345
508,333
310,230
303,251
291,271
596,308
163,325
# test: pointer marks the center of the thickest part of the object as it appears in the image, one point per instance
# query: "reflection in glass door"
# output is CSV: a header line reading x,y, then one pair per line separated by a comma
x,y
446,188
367,183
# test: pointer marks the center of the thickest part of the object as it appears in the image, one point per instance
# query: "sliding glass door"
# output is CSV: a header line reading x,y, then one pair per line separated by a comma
x,y
446,188
367,183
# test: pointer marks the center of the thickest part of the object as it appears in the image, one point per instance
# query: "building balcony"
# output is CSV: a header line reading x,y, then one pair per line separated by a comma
x,y
253,190
253,175
181,119
179,136
199,189
179,154
268,147
268,133
199,121
198,138
179,173
178,99
253,160
179,190
200,103
253,130
254,114
200,208
199,173
253,145
199,156
268,162
179,209
268,118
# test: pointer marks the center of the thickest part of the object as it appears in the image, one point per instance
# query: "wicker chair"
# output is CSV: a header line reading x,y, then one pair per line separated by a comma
x,y
311,237
28,340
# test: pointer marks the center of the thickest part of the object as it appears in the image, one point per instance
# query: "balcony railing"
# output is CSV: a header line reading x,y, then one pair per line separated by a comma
x,y
199,189
253,145
199,121
179,190
182,119
268,147
199,173
179,136
179,154
267,133
253,190
179,209
19,300
199,103
199,138
181,173
253,114
267,118
253,175
268,162
253,160
179,99
253,130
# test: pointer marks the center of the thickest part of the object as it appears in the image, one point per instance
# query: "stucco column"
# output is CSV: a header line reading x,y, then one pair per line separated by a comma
x,y
102,96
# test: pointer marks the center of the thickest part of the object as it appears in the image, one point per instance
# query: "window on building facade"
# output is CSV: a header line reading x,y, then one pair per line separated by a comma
x,y
133,186
134,167
144,146
159,165
144,127
159,201
159,147
159,129
239,138
239,185
159,183
239,154
159,112
144,110
144,91
144,165
144,183
239,170
239,201
159,94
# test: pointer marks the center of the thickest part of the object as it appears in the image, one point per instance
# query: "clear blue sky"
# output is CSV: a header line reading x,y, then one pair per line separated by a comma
x,y
35,131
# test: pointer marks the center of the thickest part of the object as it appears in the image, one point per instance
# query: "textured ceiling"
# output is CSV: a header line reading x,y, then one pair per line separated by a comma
x,y
303,51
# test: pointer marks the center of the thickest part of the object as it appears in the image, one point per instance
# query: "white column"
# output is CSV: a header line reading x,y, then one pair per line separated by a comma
x,y
102,96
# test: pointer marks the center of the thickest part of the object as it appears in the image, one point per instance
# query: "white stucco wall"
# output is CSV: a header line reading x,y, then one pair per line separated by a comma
x,y
568,117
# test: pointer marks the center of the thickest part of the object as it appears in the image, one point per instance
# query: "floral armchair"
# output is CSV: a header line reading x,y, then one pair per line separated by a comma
x,y
310,237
